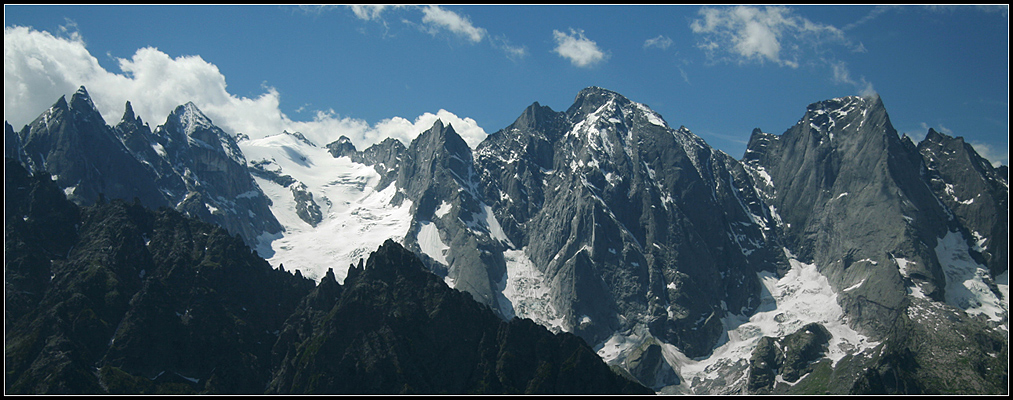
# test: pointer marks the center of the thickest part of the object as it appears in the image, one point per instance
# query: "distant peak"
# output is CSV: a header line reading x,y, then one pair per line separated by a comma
x,y
939,137
81,99
82,92
438,125
533,116
190,118
128,113
596,91
443,129
847,103
591,99
597,95
440,135
391,259
191,107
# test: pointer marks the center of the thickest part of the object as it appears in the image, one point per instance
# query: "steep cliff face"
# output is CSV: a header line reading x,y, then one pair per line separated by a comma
x,y
884,221
976,193
187,163
71,141
631,222
852,201
219,187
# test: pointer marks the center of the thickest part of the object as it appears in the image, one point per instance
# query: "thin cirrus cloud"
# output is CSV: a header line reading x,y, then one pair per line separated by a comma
x,y
747,34
843,75
40,67
369,12
581,51
436,19
660,42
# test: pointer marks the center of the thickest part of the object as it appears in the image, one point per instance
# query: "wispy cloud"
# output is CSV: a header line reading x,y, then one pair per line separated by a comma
x,y
873,14
660,41
512,52
843,75
70,30
747,34
996,156
437,19
685,77
752,34
581,51
369,12
40,67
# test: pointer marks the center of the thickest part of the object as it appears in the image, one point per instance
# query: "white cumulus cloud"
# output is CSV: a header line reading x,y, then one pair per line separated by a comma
x,y
438,18
40,67
577,48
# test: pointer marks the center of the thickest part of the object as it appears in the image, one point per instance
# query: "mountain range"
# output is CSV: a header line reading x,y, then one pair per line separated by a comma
x,y
836,257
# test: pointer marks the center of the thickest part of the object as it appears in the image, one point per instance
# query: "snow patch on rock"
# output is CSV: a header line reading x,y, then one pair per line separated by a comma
x,y
966,286
526,292
430,242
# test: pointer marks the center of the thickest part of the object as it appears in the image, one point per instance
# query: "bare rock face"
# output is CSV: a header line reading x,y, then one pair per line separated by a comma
x,y
976,193
187,163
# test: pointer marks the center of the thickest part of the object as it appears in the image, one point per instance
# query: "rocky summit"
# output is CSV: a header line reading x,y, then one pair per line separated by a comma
x,y
836,257
187,163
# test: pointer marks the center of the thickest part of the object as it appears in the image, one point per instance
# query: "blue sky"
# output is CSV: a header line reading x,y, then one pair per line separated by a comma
x,y
371,72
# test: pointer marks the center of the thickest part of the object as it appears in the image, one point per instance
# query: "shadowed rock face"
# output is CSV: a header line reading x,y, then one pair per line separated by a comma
x,y
72,142
790,357
395,325
115,298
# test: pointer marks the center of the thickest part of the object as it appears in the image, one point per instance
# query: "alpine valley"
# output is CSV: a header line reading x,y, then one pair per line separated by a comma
x,y
592,250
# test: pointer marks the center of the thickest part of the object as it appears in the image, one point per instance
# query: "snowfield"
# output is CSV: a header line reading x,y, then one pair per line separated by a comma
x,y
801,297
430,242
525,292
966,286
356,218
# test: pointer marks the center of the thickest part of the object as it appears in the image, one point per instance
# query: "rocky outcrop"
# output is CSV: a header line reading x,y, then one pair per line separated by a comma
x,y
788,358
